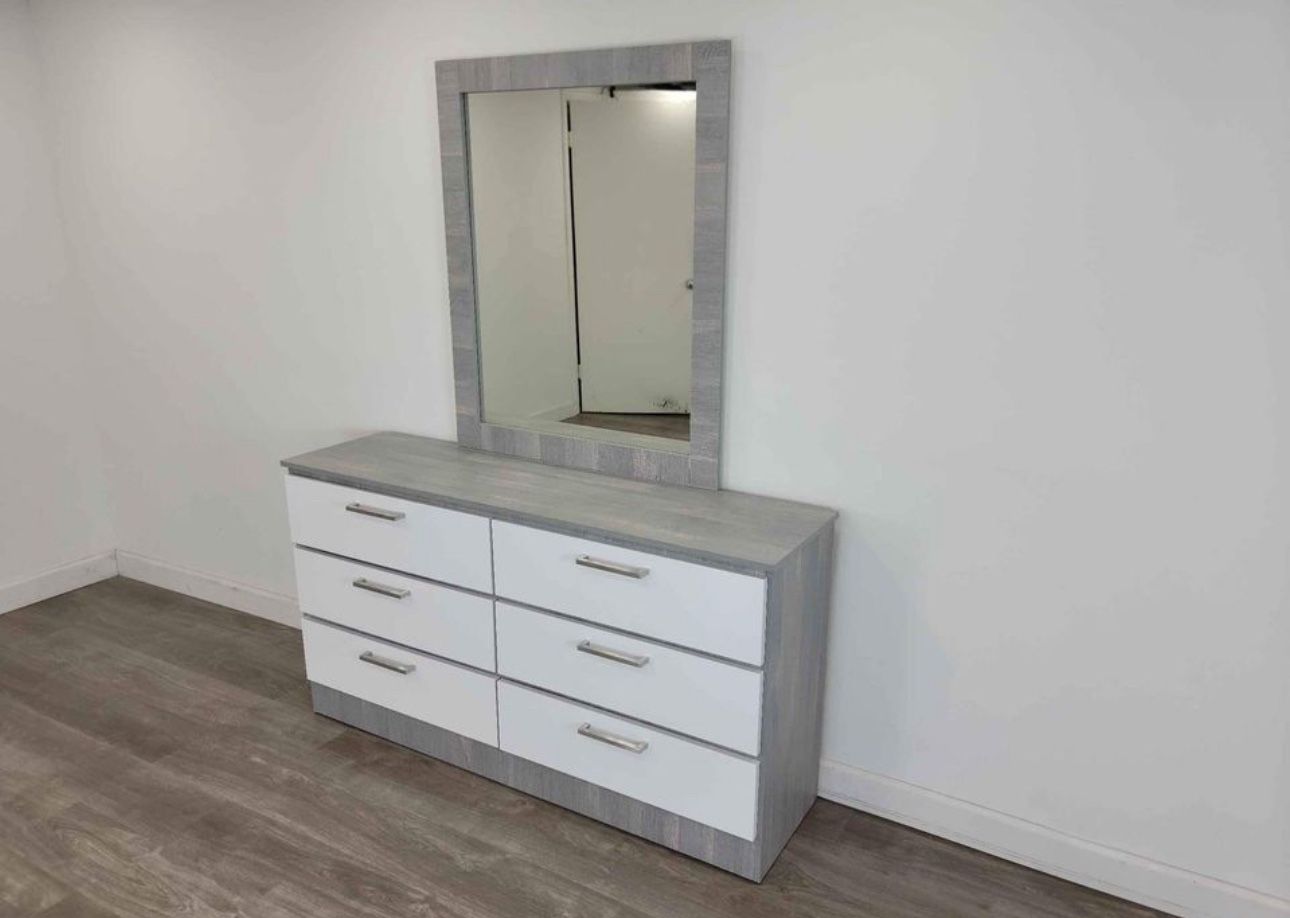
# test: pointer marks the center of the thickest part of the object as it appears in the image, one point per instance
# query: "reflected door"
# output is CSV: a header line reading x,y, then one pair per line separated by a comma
x,y
632,185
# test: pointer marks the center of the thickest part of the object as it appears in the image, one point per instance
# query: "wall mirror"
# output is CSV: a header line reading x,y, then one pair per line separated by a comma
x,y
584,198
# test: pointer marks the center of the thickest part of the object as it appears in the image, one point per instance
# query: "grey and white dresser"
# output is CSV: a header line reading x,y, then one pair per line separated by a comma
x,y
647,655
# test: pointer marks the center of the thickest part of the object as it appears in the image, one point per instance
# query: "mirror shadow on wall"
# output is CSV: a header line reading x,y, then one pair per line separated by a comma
x,y
583,207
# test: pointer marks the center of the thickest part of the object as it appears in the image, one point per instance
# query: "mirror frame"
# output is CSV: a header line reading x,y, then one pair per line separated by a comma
x,y
707,65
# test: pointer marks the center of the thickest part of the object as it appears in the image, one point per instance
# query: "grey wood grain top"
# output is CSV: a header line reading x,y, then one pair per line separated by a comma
x,y
726,528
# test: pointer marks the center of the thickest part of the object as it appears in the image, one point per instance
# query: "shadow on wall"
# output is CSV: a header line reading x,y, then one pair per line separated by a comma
x,y
883,658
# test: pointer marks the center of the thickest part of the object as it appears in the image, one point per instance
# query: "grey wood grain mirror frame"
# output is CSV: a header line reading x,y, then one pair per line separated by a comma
x,y
705,64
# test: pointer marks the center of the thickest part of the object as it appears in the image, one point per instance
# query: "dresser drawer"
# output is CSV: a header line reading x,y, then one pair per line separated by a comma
x,y
716,611
716,788
429,690
427,541
433,618
698,696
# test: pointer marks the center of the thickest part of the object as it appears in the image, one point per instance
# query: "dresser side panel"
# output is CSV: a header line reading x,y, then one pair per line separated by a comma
x,y
796,634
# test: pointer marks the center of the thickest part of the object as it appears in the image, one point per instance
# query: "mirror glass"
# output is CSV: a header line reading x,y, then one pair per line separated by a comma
x,y
583,209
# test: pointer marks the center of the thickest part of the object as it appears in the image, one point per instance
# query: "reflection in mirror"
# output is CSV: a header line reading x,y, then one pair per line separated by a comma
x,y
583,208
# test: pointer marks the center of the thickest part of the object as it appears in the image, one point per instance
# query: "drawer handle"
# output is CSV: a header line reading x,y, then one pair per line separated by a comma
x,y
621,742
392,516
386,663
373,587
608,653
613,567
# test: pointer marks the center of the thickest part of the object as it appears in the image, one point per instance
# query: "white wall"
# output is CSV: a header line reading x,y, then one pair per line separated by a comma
x,y
53,510
1007,287
524,282
632,170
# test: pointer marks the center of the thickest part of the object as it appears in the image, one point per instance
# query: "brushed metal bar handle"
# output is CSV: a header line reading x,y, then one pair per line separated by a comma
x,y
608,653
373,587
392,516
386,663
613,567
613,739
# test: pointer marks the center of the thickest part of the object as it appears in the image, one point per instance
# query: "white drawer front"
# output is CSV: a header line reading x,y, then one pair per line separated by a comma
x,y
717,702
716,788
448,696
716,611
427,541
427,616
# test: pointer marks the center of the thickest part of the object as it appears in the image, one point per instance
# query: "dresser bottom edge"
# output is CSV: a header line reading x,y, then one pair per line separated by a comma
x,y
704,843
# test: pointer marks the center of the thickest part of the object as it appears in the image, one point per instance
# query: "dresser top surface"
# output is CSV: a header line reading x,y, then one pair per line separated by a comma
x,y
726,527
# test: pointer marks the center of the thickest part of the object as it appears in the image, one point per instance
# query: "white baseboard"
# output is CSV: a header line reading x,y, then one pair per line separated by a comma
x,y
1170,889
557,412
276,607
56,580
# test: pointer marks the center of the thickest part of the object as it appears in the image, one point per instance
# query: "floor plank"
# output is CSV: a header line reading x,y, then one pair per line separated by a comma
x,y
158,756
670,426
25,889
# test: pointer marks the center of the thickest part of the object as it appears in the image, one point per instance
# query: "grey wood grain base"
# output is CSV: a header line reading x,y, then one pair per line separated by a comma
x,y
748,859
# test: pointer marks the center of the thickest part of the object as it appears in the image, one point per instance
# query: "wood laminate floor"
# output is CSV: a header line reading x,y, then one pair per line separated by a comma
x,y
158,756
671,426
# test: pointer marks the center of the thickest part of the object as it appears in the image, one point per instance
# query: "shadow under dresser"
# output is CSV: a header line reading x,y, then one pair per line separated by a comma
x,y
647,655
